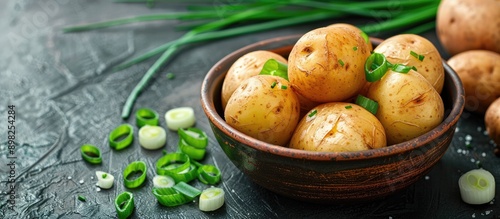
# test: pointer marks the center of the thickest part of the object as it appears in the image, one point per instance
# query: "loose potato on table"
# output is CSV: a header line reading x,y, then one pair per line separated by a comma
x,y
408,105
492,121
264,107
479,71
246,66
407,48
327,64
338,127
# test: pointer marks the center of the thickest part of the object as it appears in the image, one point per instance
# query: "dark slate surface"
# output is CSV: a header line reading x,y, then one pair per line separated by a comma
x,y
65,96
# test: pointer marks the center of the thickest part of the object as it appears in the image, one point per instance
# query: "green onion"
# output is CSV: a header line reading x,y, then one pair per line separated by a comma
x,y
124,205
367,103
273,67
186,175
135,167
104,180
152,137
376,66
313,113
125,131
194,137
82,198
418,56
211,199
273,84
477,187
355,48
91,153
284,87
170,76
400,68
160,181
182,117
187,190
348,107
172,163
146,116
170,197
209,174
193,152
341,62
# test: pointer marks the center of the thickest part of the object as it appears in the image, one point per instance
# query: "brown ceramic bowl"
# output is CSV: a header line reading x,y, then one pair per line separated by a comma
x,y
328,177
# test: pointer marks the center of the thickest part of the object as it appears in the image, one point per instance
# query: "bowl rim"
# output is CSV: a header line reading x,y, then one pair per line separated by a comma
x,y
390,150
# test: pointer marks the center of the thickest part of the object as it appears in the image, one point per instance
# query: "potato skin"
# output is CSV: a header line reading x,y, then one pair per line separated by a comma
x,y
408,105
463,25
368,44
339,127
397,50
246,66
479,71
492,121
263,112
314,69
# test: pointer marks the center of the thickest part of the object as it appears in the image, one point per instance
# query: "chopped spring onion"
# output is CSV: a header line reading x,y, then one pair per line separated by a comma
x,y
121,137
273,84
170,76
355,48
313,113
276,68
187,190
193,152
186,175
152,137
284,87
341,62
400,68
82,198
182,117
104,180
124,205
91,153
348,107
209,174
477,187
211,199
367,103
160,181
376,66
194,137
133,168
172,163
146,116
170,197
416,55
365,37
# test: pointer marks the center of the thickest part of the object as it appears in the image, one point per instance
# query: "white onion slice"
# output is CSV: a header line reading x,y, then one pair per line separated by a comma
x,y
211,199
182,117
160,181
477,187
104,180
152,137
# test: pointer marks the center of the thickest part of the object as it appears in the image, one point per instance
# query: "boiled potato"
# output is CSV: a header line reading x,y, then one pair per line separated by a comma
x,y
338,127
398,49
463,25
408,105
264,107
479,71
246,66
368,44
492,121
323,65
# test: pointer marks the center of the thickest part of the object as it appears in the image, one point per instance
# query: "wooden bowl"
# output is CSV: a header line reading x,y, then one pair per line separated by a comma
x,y
328,177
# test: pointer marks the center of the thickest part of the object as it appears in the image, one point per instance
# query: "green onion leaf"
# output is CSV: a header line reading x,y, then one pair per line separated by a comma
x,y
209,174
82,198
91,153
275,68
146,116
134,167
341,62
355,48
211,199
170,197
367,103
284,87
365,37
375,67
400,68
348,107
121,137
194,137
418,56
124,204
170,76
104,175
273,84
313,113
172,163
187,190
193,152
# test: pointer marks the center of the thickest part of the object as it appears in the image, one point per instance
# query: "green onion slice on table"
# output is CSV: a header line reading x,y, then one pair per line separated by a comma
x,y
182,117
211,199
187,190
146,116
104,180
186,175
124,204
170,197
91,153
172,163
152,137
209,174
376,66
193,152
194,137
367,103
121,137
161,181
477,187
133,168
275,68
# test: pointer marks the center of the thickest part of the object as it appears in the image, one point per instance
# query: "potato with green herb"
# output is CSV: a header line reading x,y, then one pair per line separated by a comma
x,y
245,67
338,127
264,107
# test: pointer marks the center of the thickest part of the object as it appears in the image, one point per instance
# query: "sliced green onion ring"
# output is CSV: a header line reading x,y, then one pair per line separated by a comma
x,y
134,167
192,152
123,130
172,163
160,181
152,137
367,103
477,187
91,153
124,204
211,199
186,175
275,68
376,66
146,116
365,37
209,174
104,180
400,68
170,197
182,117
194,137
187,190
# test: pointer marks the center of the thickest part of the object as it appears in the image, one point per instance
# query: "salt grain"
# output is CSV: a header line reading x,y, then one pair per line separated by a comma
x,y
81,181
483,154
459,151
427,177
488,212
479,129
468,137
69,177
474,215
457,129
472,160
98,189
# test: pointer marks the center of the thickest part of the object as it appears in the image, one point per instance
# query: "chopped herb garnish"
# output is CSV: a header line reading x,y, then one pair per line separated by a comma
x,y
341,62
355,48
468,145
414,68
284,87
273,84
418,56
313,113
348,107
82,198
170,76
